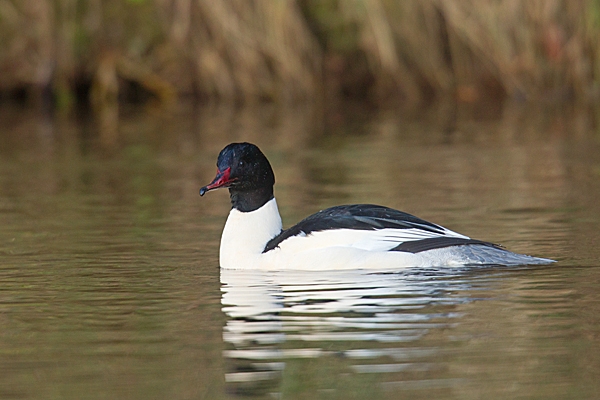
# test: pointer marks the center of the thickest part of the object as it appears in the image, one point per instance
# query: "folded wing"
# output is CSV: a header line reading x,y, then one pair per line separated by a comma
x,y
371,227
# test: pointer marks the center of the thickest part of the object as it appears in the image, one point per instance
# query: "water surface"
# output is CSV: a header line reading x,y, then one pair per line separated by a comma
x,y
110,285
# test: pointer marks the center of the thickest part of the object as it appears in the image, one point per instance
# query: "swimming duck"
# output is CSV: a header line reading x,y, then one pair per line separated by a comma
x,y
353,236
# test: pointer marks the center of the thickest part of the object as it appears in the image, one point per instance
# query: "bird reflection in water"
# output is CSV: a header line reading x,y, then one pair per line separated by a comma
x,y
359,321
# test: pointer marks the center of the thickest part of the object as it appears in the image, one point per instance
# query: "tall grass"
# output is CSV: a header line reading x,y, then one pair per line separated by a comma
x,y
291,50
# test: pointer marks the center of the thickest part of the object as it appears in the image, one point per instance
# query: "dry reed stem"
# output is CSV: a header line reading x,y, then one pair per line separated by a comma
x,y
254,49
251,50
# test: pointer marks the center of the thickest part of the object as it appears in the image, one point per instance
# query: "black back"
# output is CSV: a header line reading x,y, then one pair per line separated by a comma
x,y
355,216
373,217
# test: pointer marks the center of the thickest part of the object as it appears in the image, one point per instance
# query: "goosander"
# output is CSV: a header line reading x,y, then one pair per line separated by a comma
x,y
358,236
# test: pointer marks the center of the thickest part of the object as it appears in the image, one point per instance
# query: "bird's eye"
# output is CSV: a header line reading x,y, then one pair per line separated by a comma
x,y
241,163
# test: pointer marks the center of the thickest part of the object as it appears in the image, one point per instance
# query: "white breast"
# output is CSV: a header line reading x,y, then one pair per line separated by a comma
x,y
245,235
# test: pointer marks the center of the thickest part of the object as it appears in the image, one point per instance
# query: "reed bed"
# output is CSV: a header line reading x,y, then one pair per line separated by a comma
x,y
98,51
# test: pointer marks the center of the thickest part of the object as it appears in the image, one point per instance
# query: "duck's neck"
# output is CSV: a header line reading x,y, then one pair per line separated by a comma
x,y
250,200
246,233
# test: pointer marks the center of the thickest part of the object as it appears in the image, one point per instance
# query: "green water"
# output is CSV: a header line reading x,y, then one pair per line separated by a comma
x,y
110,286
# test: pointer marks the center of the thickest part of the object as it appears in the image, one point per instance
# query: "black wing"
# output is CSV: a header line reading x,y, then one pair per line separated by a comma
x,y
417,246
356,216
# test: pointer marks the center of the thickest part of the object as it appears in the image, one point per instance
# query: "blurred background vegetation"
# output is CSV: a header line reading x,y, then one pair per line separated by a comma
x,y
97,52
